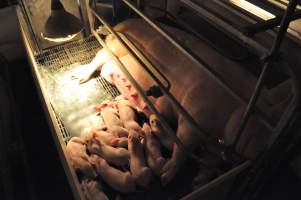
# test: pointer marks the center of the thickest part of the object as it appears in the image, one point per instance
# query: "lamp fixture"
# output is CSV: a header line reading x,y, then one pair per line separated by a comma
x,y
61,25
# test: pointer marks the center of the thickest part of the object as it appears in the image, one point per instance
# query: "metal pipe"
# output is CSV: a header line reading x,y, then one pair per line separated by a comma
x,y
201,64
84,15
274,51
227,28
147,63
263,26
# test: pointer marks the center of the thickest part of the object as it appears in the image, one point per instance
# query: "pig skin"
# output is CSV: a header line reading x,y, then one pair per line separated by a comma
x,y
76,149
118,180
140,171
203,98
116,156
93,190
154,157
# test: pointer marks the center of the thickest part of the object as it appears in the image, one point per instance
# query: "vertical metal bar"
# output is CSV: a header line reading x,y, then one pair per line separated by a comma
x,y
84,15
275,48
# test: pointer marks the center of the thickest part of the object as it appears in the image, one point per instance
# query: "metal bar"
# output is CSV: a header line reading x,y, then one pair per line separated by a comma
x,y
224,4
216,182
146,61
84,15
227,28
263,26
24,18
274,51
142,93
229,7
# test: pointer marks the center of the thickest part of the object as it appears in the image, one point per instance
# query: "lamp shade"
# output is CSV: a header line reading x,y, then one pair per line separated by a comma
x,y
60,23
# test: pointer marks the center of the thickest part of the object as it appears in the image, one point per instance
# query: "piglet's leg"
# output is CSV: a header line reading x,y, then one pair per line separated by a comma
x,y
154,157
120,181
140,171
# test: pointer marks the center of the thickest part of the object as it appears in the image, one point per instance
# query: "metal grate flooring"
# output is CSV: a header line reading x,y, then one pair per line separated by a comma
x,y
72,102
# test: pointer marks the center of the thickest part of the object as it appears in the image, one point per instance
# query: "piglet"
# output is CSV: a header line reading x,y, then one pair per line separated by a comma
x,y
76,149
115,156
153,154
140,171
120,181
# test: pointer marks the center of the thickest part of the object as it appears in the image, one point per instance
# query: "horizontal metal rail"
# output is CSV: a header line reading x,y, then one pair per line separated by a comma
x,y
269,24
139,89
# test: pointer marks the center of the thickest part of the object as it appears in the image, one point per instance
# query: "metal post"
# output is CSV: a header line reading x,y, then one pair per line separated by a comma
x,y
275,49
84,15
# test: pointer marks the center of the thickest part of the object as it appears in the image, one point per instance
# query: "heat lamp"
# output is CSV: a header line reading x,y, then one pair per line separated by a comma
x,y
61,25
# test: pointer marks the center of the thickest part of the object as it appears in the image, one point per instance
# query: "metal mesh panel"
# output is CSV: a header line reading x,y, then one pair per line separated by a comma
x,y
72,102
